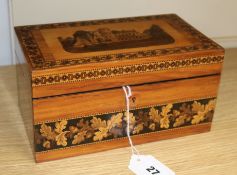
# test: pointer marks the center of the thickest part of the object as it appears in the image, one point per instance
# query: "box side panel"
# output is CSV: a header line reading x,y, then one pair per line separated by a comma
x,y
90,122
24,93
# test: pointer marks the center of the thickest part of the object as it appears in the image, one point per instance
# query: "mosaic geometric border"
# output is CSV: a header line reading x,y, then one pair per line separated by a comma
x,y
124,70
37,61
105,127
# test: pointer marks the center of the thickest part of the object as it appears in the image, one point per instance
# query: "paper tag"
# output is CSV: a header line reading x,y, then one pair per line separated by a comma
x,y
148,165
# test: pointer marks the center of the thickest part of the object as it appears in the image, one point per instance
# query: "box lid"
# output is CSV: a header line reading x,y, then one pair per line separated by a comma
x,y
91,55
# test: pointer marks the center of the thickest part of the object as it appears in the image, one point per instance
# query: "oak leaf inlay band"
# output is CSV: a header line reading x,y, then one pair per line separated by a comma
x,y
92,129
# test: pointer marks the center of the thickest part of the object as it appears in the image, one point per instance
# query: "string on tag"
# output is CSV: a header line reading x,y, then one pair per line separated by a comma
x,y
142,164
128,93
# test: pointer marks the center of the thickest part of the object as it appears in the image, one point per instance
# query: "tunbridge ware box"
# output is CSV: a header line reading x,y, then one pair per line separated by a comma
x,y
70,78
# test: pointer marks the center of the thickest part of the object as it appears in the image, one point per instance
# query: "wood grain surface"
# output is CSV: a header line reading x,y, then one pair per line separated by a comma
x,y
106,101
140,78
212,153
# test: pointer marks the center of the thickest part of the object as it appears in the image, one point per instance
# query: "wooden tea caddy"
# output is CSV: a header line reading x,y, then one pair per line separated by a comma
x,y
70,77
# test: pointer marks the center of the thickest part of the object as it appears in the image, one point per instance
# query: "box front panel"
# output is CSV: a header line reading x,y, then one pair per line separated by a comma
x,y
99,77
83,123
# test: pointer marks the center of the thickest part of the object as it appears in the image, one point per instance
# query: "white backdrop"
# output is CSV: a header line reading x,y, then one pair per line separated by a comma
x,y
215,18
5,50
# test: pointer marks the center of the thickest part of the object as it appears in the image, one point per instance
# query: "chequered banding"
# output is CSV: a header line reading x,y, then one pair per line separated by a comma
x,y
37,61
124,70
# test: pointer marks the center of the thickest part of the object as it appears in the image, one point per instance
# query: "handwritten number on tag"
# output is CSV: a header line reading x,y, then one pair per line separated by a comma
x,y
153,170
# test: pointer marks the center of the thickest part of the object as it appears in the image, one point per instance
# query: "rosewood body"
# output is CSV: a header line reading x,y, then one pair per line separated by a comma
x,y
75,72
